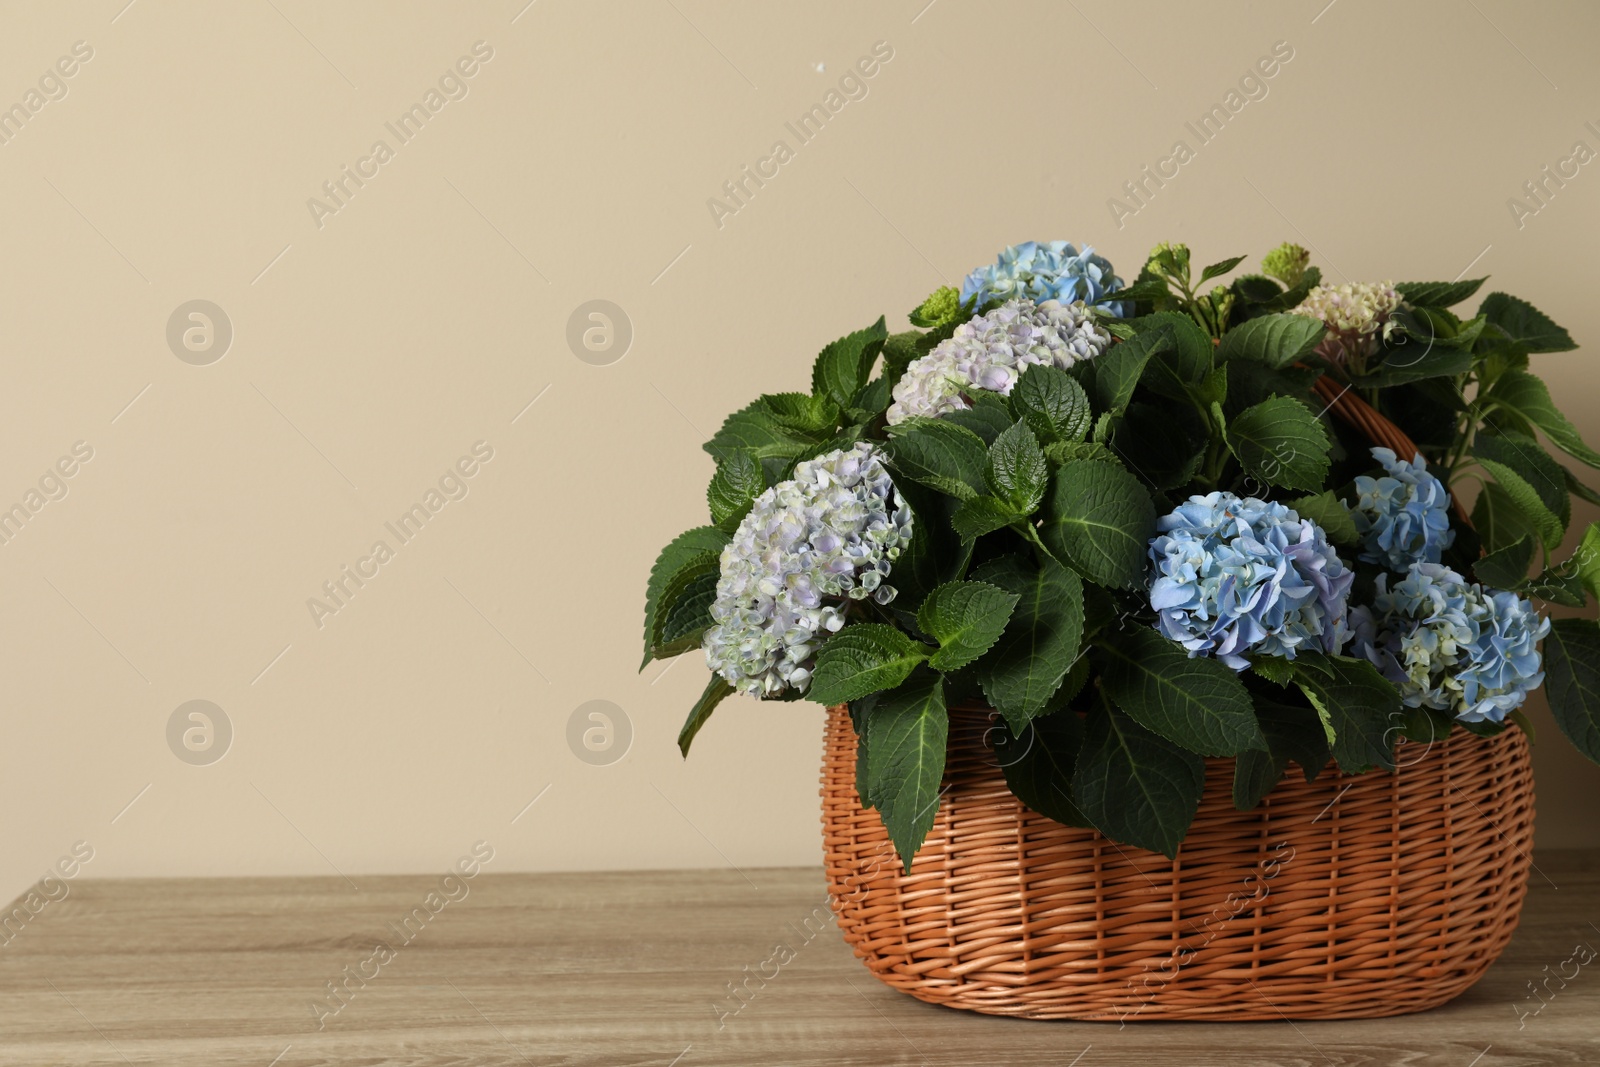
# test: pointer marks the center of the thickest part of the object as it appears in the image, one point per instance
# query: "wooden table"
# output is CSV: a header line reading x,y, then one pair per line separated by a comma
x,y
634,968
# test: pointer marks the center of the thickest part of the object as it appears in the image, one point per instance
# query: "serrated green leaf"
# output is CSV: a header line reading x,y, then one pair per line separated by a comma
x,y
1292,734
1256,288
1143,289
1361,708
734,488
862,659
715,693
1099,520
844,366
1059,452
1197,703
1579,489
1525,324
1572,682
935,554
803,412
1041,641
983,515
1439,294
908,730
1274,669
966,618
988,417
1135,786
1164,443
1498,520
1506,568
1276,341
1052,403
1527,501
753,429
1529,459
685,613
1018,473
1329,512
686,551
870,401
1038,761
1281,443
1586,560
1217,270
1414,358
1117,371
1526,396
1176,371
940,455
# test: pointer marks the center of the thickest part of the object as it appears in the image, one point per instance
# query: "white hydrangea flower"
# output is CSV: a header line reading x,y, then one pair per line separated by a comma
x,y
807,548
992,351
1353,314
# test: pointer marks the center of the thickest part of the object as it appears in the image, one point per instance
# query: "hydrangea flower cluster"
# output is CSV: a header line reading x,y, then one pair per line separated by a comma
x,y
991,351
1452,645
807,547
1043,270
1233,575
1353,314
1404,516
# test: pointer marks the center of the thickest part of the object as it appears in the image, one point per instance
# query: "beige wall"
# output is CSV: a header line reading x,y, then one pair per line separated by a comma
x,y
372,347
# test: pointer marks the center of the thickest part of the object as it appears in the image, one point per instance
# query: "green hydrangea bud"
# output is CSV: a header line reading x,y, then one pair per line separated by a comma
x,y
943,306
1169,260
1287,263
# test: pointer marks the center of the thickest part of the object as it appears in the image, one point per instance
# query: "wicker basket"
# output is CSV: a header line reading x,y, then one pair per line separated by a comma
x,y
1355,896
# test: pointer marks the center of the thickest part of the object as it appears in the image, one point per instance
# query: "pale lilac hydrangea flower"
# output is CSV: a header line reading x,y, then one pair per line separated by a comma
x,y
807,548
1404,516
990,352
1353,314
1233,575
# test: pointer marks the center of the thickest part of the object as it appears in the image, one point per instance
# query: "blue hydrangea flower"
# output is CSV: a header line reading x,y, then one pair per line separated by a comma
x,y
807,548
1404,516
1233,575
1452,645
1045,270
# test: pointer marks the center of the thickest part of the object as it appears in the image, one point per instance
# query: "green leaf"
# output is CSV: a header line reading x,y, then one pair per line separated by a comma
x,y
1256,288
1274,669
1360,708
1586,560
1572,682
1526,396
1146,289
966,618
1135,786
1527,501
907,732
685,613
940,455
983,515
1413,358
1018,473
1506,568
1164,443
1117,371
1052,403
862,659
1532,463
687,551
935,554
1041,641
988,417
1276,341
716,691
1329,512
803,412
1197,703
1525,324
1292,734
734,488
1578,489
1059,452
870,401
1498,520
1099,519
1037,762
844,366
1281,443
753,429
1217,270
1439,294
1176,371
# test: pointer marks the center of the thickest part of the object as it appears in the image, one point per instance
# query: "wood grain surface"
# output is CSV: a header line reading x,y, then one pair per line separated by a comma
x,y
636,968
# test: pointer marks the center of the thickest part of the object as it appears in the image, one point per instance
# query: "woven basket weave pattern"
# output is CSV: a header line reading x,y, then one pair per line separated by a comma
x,y
1354,896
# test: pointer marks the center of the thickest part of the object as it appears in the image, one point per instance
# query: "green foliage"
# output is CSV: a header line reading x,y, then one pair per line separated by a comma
x,y
1439,294
1329,512
1197,703
966,618
1041,640
1037,761
1018,473
1275,341
1572,682
1099,520
1526,399
689,553
907,731
734,488
1525,324
1134,785
1280,442
844,366
717,690
863,659
1293,734
1360,709
1052,403
941,455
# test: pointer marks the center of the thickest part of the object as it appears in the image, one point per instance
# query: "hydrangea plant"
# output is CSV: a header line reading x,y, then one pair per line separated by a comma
x,y
1124,518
